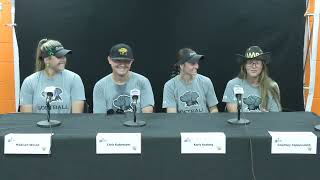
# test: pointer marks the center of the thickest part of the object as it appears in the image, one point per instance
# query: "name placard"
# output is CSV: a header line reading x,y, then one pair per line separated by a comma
x,y
27,143
118,143
293,142
203,143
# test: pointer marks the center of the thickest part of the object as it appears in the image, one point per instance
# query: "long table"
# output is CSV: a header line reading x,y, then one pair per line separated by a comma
x,y
73,152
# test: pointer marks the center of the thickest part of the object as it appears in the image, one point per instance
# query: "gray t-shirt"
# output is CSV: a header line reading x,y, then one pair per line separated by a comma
x,y
251,98
109,95
68,87
196,97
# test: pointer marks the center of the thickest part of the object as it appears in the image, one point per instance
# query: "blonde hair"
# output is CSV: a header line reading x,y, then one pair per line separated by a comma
x,y
44,46
267,85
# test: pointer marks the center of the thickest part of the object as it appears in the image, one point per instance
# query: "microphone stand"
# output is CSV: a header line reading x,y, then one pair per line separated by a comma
x,y
48,123
238,120
135,113
134,123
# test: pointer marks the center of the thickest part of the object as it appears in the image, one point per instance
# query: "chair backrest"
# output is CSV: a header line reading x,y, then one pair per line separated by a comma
x,y
86,108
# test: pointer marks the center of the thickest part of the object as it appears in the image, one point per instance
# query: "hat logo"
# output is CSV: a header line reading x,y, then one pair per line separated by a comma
x,y
123,51
192,53
252,54
50,52
59,48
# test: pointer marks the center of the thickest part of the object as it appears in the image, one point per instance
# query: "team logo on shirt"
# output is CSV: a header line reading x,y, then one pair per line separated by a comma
x,y
123,102
253,103
190,98
56,94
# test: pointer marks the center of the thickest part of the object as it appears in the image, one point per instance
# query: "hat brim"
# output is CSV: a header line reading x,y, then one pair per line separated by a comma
x,y
122,59
193,59
266,57
62,53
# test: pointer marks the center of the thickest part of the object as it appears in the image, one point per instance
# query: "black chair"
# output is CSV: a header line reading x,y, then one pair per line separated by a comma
x,y
86,107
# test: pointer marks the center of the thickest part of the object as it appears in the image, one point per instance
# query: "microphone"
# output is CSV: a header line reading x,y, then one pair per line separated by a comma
x,y
111,111
134,94
49,92
49,98
238,92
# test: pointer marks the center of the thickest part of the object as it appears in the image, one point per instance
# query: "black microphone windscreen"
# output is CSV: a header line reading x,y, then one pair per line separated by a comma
x,y
110,111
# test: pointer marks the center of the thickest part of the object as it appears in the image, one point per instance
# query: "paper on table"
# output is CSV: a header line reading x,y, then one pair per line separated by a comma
x,y
203,142
293,142
27,143
118,143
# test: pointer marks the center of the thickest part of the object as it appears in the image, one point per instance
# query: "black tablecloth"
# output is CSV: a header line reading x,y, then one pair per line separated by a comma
x,y
248,148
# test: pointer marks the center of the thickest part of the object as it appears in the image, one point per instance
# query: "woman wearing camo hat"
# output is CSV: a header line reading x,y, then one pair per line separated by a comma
x,y
261,93
188,91
65,87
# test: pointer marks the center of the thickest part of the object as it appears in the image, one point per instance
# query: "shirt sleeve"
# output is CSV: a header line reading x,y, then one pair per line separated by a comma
x,y
273,106
228,95
147,98
211,94
169,101
26,92
77,89
99,102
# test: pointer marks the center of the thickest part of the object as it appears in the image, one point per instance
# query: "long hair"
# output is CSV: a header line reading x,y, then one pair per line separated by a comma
x,y
266,85
175,71
43,46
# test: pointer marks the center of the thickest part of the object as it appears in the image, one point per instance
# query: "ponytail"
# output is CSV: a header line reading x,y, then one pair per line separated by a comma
x,y
39,63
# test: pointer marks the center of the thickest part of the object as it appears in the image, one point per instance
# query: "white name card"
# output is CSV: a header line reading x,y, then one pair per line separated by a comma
x,y
293,143
27,143
203,143
118,143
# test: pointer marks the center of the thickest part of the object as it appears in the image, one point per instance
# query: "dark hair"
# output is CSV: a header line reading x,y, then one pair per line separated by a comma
x,y
176,67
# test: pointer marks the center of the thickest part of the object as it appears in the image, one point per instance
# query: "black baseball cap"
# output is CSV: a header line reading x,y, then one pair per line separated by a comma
x,y
188,55
121,52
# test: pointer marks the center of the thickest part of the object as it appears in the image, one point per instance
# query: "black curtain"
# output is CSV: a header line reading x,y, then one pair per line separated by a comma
x,y
156,30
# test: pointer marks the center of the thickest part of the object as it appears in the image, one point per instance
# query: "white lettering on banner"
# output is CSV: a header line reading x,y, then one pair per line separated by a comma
x,y
293,143
27,143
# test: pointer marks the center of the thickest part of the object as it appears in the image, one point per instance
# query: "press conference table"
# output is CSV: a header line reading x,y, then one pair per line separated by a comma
x,y
73,152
